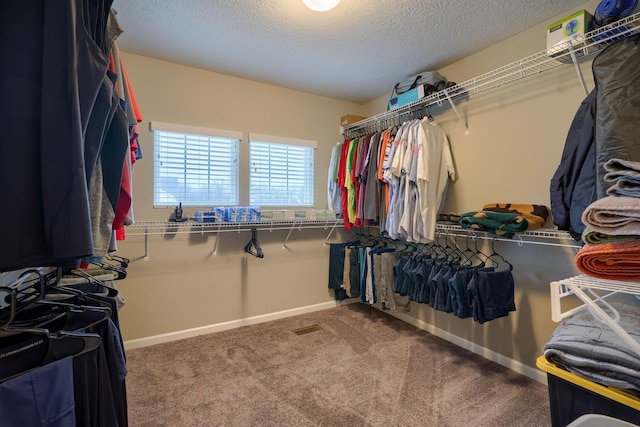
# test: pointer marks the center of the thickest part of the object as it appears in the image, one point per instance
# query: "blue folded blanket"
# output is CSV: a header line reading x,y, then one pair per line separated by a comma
x,y
589,348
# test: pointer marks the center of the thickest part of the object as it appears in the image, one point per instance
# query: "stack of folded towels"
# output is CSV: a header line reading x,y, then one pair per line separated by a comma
x,y
612,233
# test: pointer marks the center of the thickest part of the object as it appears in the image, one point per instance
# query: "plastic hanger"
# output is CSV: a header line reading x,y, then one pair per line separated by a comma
x,y
496,256
44,347
124,262
101,286
253,247
54,347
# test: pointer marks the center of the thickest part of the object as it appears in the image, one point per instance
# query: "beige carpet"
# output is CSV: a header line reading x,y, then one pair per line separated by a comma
x,y
358,369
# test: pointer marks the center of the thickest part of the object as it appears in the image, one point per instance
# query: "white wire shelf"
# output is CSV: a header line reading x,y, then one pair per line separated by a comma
x,y
585,288
538,236
168,228
194,227
525,68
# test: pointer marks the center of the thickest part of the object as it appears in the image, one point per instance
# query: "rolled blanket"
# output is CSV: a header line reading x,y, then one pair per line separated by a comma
x,y
536,215
613,215
595,238
625,177
612,261
500,224
593,350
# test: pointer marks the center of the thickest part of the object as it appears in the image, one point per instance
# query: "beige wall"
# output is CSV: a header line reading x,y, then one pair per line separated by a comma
x,y
515,141
183,285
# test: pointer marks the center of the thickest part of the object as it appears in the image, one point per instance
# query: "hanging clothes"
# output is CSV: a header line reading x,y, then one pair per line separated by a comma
x,y
333,189
435,169
62,113
396,179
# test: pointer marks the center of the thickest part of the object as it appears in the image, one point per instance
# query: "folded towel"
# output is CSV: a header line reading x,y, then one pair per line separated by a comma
x,y
501,224
613,215
612,261
595,238
625,177
593,350
536,215
624,188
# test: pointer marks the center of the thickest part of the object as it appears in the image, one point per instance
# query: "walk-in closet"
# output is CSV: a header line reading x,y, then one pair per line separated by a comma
x,y
320,213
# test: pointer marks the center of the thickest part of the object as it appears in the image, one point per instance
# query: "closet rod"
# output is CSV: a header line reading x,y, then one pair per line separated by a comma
x,y
525,68
540,233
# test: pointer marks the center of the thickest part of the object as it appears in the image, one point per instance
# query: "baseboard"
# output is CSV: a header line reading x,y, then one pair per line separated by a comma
x,y
500,359
218,327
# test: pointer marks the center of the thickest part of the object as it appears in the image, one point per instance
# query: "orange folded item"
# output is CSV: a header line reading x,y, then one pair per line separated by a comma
x,y
611,261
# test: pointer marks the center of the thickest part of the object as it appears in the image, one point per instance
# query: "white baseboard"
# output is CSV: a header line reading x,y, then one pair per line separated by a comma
x,y
218,327
514,365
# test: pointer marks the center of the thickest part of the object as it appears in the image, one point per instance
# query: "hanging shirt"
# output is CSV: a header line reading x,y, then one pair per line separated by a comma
x,y
372,190
342,172
407,225
333,190
350,184
397,181
435,166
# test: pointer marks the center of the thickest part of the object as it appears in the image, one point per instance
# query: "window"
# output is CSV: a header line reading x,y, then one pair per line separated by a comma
x,y
195,166
280,171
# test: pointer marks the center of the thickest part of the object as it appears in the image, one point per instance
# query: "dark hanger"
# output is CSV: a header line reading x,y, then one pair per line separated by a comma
x,y
59,316
37,347
124,262
496,257
119,270
28,291
97,284
28,348
253,247
428,114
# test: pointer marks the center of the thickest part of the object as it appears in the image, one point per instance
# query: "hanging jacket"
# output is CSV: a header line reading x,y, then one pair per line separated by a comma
x,y
616,71
573,184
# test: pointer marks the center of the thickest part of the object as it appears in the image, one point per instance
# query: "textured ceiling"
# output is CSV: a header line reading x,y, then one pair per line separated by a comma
x,y
355,52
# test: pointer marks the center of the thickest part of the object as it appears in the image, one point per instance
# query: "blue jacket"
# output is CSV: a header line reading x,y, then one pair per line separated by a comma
x,y
573,184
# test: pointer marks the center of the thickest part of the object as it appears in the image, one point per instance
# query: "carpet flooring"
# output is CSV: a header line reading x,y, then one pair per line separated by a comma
x,y
345,366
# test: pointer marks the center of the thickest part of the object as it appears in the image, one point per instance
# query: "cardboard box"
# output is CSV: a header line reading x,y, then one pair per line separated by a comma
x,y
572,27
407,97
350,119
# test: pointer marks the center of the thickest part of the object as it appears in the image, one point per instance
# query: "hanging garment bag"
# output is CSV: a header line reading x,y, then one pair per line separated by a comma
x,y
616,71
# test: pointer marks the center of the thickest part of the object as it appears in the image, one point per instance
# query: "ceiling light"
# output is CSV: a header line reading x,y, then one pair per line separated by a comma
x,y
321,5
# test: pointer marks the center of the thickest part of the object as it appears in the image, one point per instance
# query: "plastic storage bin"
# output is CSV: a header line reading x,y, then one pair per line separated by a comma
x,y
596,420
571,396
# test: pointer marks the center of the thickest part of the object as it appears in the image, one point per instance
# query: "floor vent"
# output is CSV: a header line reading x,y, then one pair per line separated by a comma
x,y
307,330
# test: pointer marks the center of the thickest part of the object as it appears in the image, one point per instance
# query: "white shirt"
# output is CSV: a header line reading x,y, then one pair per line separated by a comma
x,y
435,165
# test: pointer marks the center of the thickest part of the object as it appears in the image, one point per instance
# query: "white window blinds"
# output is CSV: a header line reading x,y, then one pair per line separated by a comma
x,y
281,171
195,166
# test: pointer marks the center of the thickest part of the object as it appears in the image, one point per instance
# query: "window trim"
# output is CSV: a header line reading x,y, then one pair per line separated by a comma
x,y
259,137
194,130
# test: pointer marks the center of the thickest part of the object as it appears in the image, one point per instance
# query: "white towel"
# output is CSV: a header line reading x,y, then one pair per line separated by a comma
x,y
613,215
